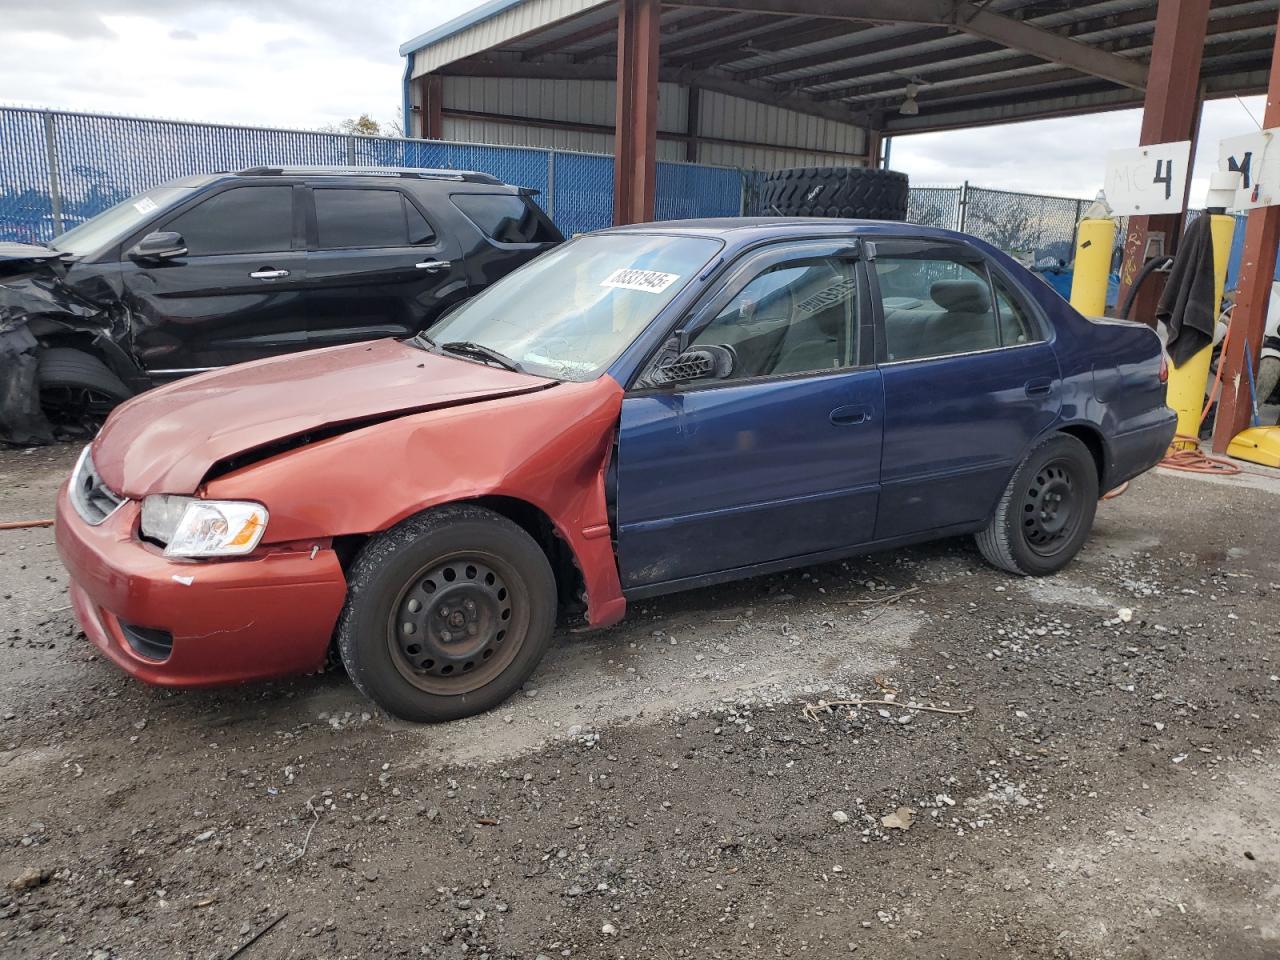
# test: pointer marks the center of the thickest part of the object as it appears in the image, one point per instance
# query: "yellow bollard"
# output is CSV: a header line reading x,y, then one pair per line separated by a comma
x,y
1187,383
1095,241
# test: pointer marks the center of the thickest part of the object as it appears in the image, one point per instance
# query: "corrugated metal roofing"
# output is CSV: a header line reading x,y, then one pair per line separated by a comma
x,y
818,66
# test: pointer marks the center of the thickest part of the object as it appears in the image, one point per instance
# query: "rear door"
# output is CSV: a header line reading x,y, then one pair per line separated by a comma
x,y
780,460
970,380
237,294
378,265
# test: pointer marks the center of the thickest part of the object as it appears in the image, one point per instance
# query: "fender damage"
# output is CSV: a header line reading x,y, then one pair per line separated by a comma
x,y
548,449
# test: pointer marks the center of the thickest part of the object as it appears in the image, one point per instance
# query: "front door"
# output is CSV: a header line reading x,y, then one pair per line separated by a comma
x,y
377,267
235,296
779,460
970,381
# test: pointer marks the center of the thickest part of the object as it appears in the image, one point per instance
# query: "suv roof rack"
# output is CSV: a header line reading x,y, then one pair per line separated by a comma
x,y
420,173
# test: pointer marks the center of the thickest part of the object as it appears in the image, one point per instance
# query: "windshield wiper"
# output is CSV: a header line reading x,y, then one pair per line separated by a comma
x,y
420,339
468,348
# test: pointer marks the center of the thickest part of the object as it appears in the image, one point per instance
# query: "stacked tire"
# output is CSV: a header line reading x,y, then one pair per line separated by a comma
x,y
862,193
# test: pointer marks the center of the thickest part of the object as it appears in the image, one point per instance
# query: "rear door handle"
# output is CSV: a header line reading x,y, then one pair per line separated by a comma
x,y
268,274
1039,388
852,414
434,265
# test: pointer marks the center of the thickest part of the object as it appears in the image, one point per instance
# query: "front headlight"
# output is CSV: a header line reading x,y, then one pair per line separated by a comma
x,y
189,527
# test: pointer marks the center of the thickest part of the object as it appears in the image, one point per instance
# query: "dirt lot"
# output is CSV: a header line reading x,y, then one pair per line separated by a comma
x,y
657,792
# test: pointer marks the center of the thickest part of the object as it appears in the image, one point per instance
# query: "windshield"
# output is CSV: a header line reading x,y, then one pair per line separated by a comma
x,y
108,226
572,311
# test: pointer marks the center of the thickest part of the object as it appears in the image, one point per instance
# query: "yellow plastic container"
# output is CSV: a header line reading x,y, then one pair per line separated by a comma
x,y
1259,445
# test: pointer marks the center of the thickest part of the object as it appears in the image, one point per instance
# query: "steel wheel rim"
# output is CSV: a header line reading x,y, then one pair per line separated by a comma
x,y
457,623
1050,509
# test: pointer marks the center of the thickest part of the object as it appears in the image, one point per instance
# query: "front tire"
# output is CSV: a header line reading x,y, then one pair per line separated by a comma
x,y
1046,512
77,390
447,614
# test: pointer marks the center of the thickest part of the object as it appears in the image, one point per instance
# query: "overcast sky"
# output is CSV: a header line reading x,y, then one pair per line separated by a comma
x,y
307,63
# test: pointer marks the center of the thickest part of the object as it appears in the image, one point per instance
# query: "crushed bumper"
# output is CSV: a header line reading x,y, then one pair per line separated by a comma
x,y
197,624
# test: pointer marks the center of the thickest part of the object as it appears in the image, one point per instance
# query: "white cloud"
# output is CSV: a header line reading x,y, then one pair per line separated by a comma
x,y
290,63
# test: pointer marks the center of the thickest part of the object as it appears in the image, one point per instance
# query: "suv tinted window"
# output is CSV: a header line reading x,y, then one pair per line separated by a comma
x,y
936,303
367,218
503,217
241,220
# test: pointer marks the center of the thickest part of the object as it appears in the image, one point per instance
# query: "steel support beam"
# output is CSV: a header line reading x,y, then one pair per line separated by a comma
x,y
432,106
1249,317
970,18
692,123
636,115
1170,112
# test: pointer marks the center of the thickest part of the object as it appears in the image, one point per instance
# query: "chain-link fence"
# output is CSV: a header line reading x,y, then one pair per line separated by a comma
x,y
935,206
59,169
1033,227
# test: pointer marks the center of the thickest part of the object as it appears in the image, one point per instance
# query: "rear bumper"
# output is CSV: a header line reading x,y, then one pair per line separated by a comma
x,y
268,615
1137,451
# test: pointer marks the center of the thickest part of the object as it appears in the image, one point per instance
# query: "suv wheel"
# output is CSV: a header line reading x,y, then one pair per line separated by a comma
x,y
77,391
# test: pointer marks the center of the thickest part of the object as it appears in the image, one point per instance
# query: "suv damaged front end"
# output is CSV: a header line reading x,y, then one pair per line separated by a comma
x,y
36,302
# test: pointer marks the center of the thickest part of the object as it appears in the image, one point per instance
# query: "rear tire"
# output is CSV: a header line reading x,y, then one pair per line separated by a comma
x,y
447,614
1046,512
865,193
77,390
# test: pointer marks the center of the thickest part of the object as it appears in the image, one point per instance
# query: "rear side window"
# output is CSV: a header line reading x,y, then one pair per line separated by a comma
x,y
367,218
1016,325
241,220
936,302
504,217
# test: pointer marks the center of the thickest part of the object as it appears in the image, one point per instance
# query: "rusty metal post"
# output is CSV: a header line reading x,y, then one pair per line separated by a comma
x,y
433,107
1253,293
1170,112
636,120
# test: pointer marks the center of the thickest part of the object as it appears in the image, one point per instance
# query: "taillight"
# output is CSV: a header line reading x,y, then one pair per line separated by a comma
x,y
1164,368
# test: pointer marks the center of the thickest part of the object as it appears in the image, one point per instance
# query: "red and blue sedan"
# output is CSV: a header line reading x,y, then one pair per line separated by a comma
x,y
639,411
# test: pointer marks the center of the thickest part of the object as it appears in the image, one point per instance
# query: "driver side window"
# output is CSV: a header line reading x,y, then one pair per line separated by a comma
x,y
797,317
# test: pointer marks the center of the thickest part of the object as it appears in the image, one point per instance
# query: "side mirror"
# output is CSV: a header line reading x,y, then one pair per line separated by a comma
x,y
158,246
702,363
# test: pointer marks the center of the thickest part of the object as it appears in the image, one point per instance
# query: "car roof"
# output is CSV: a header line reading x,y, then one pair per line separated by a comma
x,y
739,230
457,179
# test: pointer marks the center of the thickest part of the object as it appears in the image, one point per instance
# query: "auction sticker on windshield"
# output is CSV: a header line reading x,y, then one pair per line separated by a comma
x,y
648,281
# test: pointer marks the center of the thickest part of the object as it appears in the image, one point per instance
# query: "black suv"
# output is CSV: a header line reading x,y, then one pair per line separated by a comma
x,y
217,269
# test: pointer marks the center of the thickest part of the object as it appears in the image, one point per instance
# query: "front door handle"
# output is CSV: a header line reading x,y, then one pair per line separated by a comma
x,y
850,415
433,265
266,273
1041,387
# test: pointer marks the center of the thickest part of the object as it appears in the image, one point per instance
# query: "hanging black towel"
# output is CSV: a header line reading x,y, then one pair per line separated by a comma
x,y
1186,306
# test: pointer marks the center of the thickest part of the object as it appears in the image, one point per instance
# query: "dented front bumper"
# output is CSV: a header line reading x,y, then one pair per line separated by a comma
x,y
197,623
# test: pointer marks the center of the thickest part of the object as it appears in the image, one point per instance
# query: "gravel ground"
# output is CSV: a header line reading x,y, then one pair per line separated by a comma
x,y
657,790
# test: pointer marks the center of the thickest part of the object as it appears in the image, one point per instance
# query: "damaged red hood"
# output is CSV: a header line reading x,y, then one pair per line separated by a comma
x,y
165,440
